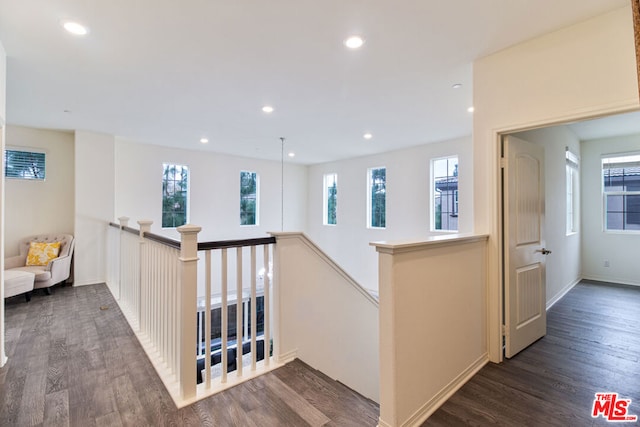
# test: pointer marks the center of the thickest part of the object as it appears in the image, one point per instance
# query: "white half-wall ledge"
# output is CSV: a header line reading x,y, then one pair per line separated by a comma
x,y
400,246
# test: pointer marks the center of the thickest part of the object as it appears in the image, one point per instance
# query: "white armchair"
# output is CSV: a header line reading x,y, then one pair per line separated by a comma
x,y
56,271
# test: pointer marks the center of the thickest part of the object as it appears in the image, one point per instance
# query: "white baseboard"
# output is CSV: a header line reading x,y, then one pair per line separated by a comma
x,y
421,415
287,357
562,293
611,280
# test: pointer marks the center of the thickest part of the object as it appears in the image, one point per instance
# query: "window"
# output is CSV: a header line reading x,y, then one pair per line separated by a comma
x,y
24,164
573,192
175,189
444,194
330,199
621,192
248,198
376,200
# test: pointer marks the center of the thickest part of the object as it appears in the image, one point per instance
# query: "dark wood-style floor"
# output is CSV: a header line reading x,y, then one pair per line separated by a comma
x,y
73,363
592,345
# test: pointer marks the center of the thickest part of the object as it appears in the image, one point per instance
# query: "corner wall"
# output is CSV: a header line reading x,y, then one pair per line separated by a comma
x,y
3,115
579,72
408,217
94,195
35,207
619,248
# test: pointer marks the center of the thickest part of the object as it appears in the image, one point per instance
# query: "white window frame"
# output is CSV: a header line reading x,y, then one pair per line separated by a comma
x,y
333,177
616,158
572,173
257,204
188,196
432,195
28,150
369,202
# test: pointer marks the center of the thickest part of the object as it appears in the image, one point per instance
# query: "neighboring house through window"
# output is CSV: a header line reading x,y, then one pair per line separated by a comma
x,y
444,194
573,191
248,198
621,192
330,199
175,191
23,164
376,199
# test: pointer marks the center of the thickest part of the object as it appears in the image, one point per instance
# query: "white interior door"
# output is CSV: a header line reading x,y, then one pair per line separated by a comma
x,y
524,252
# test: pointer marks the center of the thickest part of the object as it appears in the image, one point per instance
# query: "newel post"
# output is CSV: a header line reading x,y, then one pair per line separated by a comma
x,y
124,221
188,302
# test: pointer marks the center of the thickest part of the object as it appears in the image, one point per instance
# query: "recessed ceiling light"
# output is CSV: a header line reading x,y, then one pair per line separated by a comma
x,y
75,28
354,42
204,140
291,154
456,85
367,135
267,109
471,109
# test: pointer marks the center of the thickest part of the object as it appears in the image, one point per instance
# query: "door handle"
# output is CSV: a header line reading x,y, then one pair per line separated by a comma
x,y
544,251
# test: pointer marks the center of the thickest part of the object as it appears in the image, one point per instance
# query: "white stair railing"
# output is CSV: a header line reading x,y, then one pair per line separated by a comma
x,y
241,293
155,282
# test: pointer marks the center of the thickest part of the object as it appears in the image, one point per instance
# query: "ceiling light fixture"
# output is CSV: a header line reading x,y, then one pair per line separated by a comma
x,y
75,28
291,154
471,109
367,135
354,42
457,85
204,140
267,109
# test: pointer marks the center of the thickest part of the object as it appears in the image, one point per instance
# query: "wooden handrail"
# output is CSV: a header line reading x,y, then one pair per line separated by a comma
x,y
205,246
202,246
161,239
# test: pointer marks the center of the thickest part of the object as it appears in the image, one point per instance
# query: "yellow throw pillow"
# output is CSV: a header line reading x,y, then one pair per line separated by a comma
x,y
40,253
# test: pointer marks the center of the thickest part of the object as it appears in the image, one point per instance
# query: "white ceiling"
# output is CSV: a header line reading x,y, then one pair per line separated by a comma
x,y
168,72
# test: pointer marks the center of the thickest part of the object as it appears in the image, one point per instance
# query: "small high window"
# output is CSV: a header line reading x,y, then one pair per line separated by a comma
x,y
22,164
330,199
573,192
376,200
444,194
248,198
621,192
175,189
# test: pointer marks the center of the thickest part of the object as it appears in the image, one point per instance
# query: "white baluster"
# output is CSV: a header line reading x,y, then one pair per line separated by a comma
x,y
224,324
207,319
267,307
254,317
239,312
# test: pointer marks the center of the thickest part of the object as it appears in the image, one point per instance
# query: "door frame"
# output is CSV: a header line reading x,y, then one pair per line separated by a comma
x,y
496,259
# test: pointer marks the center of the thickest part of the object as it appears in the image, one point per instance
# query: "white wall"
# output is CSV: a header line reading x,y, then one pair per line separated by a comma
x,y
578,72
94,195
564,263
214,191
432,323
323,317
407,205
34,207
3,97
619,248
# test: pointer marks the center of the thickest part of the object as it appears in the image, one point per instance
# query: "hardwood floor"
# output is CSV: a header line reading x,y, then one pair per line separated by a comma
x,y
592,345
73,361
